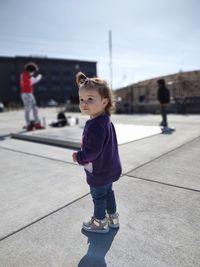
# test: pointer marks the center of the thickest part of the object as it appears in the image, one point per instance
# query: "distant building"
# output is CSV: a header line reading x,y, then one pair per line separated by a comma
x,y
142,96
58,81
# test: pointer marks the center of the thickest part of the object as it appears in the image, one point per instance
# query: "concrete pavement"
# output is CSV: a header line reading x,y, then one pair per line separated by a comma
x,y
44,199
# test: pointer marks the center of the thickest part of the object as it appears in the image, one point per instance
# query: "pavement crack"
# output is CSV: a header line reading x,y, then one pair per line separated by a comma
x,y
163,183
160,156
38,156
41,218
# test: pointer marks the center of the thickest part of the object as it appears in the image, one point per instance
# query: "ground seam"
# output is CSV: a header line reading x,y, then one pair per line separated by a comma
x,y
43,217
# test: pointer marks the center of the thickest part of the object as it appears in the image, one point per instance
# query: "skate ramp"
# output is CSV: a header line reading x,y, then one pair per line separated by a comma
x,y
71,136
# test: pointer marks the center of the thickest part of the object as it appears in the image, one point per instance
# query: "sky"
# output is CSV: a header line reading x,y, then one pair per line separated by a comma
x,y
150,38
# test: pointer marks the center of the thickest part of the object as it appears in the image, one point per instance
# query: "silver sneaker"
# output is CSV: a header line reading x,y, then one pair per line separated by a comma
x,y
96,226
113,220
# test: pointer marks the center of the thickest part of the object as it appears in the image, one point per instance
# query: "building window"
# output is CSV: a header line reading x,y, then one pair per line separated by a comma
x,y
12,67
56,88
67,73
66,88
14,88
42,88
13,78
67,78
55,78
77,67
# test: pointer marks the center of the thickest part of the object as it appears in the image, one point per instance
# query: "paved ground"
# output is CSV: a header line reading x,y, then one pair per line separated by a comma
x,y
44,199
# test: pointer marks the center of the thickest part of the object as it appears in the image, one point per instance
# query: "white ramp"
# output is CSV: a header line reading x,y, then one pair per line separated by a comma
x,y
71,136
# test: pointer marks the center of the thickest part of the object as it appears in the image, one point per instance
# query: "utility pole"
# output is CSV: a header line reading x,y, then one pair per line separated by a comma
x,y
110,56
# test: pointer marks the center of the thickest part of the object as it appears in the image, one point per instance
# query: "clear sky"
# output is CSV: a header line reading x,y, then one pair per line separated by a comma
x,y
150,38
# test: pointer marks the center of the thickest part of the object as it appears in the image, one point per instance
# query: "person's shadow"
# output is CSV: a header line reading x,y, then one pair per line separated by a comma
x,y
99,245
167,130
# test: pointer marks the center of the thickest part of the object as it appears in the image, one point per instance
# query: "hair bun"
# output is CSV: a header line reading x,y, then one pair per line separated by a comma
x,y
80,78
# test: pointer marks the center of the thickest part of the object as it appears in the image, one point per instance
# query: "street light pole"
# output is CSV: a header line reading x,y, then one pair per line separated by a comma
x,y
110,55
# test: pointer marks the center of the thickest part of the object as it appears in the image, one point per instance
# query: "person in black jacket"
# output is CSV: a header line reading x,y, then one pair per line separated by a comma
x,y
163,96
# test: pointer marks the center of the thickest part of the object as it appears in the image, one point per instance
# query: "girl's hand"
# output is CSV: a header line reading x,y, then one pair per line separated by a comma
x,y
74,157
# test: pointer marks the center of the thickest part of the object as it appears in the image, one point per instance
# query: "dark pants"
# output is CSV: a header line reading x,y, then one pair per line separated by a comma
x,y
103,199
163,110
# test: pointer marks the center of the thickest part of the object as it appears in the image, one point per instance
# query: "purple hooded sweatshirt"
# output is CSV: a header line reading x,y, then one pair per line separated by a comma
x,y
99,152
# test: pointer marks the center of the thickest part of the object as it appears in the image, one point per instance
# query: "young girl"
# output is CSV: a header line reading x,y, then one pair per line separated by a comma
x,y
99,152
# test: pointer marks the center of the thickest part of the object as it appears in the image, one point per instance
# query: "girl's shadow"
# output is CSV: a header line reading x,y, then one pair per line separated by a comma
x,y
99,245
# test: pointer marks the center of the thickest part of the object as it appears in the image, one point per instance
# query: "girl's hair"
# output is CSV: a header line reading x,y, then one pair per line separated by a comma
x,y
100,85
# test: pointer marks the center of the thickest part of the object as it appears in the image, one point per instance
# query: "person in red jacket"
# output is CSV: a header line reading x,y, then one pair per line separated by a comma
x,y
27,80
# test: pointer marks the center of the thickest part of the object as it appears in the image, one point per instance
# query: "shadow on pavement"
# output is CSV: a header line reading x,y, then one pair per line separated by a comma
x,y
99,245
4,136
167,130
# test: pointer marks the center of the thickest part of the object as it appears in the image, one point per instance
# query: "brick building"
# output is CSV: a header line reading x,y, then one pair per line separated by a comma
x,y
181,85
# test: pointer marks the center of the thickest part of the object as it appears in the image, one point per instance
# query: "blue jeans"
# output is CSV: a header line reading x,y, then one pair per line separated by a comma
x,y
104,199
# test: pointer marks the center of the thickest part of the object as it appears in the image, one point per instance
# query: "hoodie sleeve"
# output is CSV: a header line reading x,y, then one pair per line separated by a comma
x,y
92,144
36,79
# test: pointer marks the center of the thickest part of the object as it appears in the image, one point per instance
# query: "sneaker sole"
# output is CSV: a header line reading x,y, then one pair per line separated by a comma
x,y
96,231
114,225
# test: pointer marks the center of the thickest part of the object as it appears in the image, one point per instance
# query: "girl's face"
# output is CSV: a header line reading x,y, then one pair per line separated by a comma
x,y
91,103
